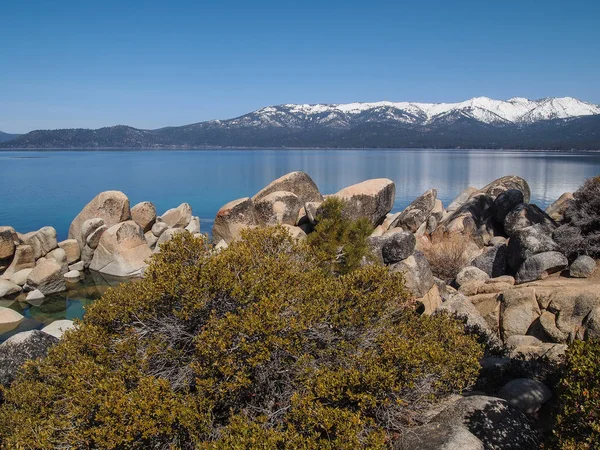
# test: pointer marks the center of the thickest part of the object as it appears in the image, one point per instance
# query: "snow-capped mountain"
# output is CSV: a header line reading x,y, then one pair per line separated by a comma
x,y
551,123
516,110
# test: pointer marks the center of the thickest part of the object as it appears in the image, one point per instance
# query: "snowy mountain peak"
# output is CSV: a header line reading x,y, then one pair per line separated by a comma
x,y
484,109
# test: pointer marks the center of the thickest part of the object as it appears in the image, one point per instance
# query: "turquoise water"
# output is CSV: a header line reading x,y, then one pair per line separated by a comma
x,y
39,188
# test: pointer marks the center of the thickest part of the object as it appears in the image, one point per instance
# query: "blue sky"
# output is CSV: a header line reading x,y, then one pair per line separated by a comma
x,y
148,64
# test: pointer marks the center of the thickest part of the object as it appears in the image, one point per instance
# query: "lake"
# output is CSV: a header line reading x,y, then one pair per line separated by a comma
x,y
39,188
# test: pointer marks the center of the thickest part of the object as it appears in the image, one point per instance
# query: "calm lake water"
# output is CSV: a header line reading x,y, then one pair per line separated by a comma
x,y
39,188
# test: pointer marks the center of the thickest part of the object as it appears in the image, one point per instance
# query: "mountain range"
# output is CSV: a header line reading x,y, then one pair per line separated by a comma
x,y
7,137
520,123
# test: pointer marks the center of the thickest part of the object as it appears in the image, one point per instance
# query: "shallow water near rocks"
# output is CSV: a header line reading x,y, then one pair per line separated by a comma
x,y
39,188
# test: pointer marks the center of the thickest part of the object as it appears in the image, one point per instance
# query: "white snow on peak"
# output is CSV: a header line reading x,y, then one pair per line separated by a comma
x,y
484,109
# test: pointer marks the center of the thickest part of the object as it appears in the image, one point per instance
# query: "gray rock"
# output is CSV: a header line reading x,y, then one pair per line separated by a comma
x,y
505,202
398,247
144,214
19,348
72,250
122,251
168,235
9,319
87,254
298,183
58,327
492,420
232,219
525,394
110,206
79,266
461,199
72,275
93,239
529,241
417,212
418,278
47,277
8,242
151,240
476,210
519,310
159,228
525,215
457,305
492,261
179,217
58,255
194,225
376,246
496,187
431,225
20,277
471,273
548,324
277,208
582,267
89,226
439,436
41,241
371,199
311,209
539,266
34,295
557,209
8,288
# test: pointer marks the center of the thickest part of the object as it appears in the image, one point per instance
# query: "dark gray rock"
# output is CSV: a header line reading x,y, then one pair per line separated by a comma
x,y
493,261
19,348
538,266
376,245
582,267
398,247
525,394
529,241
478,209
525,215
418,278
417,212
505,202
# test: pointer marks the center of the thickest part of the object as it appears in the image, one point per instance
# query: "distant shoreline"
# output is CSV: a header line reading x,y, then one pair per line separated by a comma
x,y
131,149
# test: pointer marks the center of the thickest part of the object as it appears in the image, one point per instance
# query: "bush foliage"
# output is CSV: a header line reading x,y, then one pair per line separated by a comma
x,y
254,347
580,235
578,422
447,253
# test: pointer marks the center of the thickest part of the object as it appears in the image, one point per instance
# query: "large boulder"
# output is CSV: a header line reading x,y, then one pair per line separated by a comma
x,y
525,215
194,225
505,202
90,226
539,266
436,436
371,199
459,306
20,277
72,250
417,212
167,236
232,219
298,183
397,247
496,187
529,241
179,217
22,347
493,260
9,319
582,267
574,309
41,241
469,274
471,214
110,206
418,278
278,207
556,210
8,242
8,288
144,214
518,311
47,277
94,237
525,394
122,251
23,259
461,199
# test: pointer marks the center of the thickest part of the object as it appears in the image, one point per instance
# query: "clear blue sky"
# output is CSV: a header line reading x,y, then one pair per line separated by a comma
x,y
148,64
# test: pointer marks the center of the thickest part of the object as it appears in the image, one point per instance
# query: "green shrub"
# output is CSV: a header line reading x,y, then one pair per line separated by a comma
x,y
578,421
255,347
341,242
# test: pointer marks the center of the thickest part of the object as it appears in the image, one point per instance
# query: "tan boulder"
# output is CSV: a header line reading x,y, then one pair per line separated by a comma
x,y
110,206
232,219
47,277
179,217
518,311
23,259
296,232
298,183
8,288
93,239
431,301
556,210
20,277
122,251
276,208
72,250
41,241
144,214
371,199
8,242
9,319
